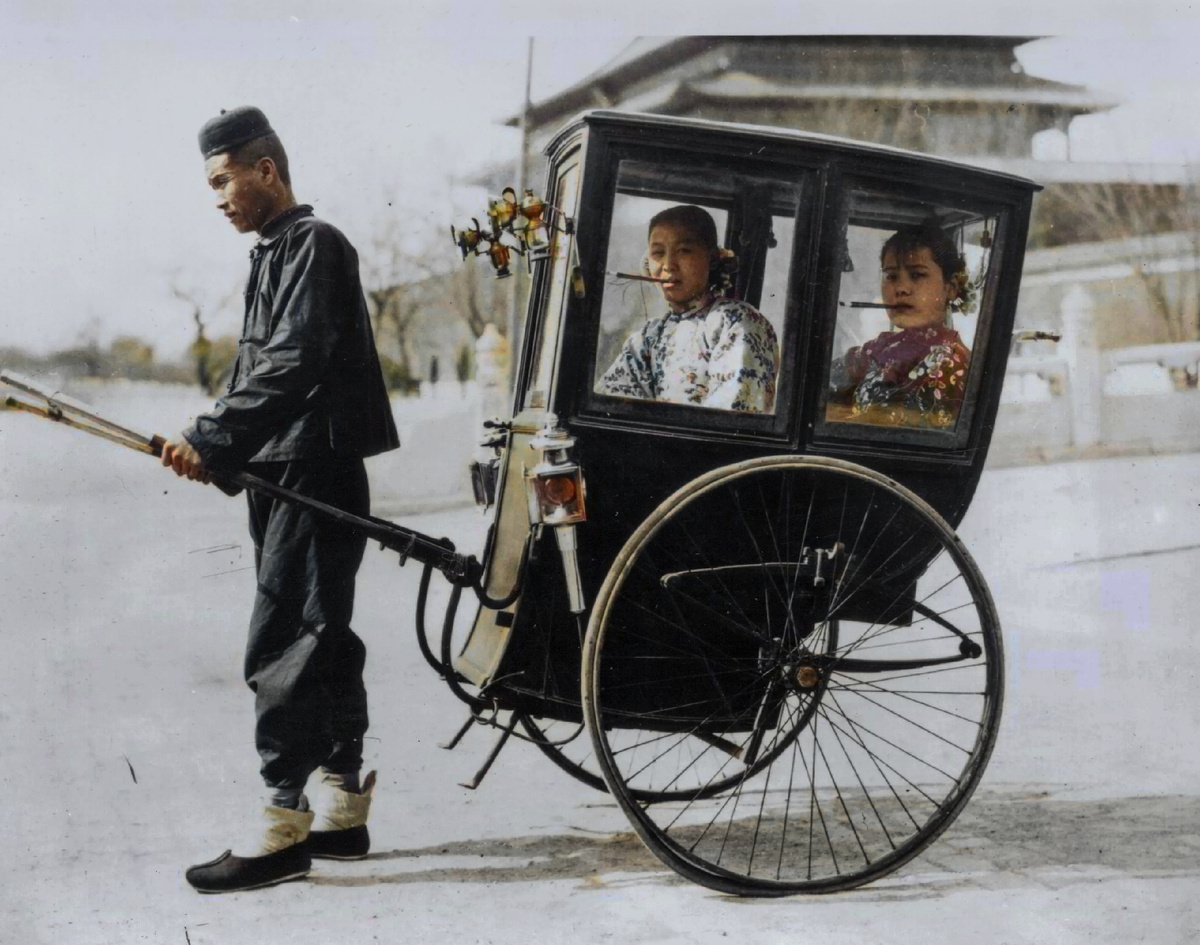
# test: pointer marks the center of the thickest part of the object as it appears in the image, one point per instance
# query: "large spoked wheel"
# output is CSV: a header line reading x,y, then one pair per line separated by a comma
x,y
803,657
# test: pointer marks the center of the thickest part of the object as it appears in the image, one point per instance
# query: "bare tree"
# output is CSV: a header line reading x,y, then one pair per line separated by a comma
x,y
395,281
478,297
1156,232
412,276
210,359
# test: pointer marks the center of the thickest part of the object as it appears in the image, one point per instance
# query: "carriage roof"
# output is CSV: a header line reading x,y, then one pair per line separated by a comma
x,y
704,127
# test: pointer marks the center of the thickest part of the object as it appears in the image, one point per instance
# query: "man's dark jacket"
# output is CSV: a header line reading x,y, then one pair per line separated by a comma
x,y
307,382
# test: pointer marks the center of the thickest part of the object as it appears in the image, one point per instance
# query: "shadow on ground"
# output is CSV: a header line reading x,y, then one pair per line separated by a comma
x,y
999,837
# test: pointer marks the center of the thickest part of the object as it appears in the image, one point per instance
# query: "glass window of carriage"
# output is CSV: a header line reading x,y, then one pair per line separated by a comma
x,y
913,290
683,321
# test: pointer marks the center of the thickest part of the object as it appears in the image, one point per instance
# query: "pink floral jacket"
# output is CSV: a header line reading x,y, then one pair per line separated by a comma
x,y
922,369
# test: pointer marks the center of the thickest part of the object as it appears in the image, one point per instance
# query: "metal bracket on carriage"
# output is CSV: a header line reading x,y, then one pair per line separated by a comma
x,y
498,439
821,561
404,552
475,717
1037,334
505,733
822,554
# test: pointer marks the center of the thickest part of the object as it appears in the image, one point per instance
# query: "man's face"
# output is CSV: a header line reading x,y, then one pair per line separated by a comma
x,y
243,194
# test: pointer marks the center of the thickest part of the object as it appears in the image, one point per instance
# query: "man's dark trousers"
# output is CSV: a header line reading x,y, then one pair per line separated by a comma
x,y
303,661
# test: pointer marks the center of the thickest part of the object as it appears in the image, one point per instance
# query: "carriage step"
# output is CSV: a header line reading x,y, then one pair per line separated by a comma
x,y
487,762
458,736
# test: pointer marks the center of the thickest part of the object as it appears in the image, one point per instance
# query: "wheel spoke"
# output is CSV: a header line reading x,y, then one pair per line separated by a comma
x,y
876,763
732,598
879,739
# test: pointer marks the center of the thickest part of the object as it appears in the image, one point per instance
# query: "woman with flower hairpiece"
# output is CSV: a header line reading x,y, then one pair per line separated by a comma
x,y
915,372
708,350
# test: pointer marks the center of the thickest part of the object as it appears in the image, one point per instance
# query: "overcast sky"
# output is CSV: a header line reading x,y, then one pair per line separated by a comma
x,y
104,200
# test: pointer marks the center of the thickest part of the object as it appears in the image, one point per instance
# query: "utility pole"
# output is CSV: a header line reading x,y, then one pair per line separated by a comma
x,y
519,279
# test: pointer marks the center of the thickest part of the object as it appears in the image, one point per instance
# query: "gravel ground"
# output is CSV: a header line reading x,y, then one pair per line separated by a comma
x,y
125,734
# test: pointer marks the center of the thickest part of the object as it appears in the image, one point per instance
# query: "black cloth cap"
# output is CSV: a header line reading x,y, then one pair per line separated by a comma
x,y
231,129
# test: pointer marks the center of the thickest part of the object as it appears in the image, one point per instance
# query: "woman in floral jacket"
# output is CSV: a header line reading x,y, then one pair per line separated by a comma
x,y
707,350
916,372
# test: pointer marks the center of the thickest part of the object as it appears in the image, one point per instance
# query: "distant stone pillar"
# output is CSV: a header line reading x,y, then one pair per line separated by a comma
x,y
1082,351
491,373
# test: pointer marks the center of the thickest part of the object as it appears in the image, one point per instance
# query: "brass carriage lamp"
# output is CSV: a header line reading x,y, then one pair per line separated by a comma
x,y
555,490
556,494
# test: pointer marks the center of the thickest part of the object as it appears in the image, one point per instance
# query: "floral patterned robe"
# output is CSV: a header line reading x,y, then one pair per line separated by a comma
x,y
721,354
918,369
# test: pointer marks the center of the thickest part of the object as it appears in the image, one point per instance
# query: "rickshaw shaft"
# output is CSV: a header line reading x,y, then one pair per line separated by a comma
x,y
436,552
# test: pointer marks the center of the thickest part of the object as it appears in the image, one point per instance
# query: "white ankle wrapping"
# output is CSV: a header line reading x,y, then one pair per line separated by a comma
x,y
341,810
282,828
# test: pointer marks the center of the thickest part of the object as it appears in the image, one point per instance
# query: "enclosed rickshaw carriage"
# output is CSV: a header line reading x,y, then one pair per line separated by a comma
x,y
751,622
741,610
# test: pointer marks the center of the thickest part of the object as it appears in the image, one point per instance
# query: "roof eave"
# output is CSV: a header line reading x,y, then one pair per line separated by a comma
x,y
591,92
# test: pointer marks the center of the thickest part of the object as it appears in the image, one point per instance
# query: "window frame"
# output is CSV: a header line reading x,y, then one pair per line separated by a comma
x,y
833,436
598,409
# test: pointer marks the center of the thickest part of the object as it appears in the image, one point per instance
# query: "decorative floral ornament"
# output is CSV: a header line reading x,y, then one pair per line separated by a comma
x,y
964,293
722,273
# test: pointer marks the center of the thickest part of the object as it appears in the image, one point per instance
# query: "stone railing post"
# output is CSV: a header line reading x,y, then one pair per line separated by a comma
x,y
491,373
1082,351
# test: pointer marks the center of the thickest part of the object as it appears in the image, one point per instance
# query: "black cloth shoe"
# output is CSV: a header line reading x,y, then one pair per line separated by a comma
x,y
353,843
230,873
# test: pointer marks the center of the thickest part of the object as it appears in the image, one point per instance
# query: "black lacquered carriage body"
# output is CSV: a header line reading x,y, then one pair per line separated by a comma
x,y
788,668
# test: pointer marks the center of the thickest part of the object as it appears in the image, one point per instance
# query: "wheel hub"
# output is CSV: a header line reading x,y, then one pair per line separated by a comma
x,y
804,676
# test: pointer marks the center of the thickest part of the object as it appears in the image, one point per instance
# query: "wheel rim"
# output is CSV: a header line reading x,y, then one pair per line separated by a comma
x,y
574,754
818,736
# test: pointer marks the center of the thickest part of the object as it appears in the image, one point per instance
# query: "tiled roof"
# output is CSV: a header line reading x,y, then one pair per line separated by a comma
x,y
647,56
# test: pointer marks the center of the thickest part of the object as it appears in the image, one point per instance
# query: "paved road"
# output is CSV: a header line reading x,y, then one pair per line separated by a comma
x,y
125,739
